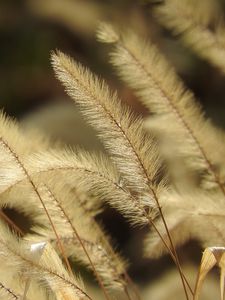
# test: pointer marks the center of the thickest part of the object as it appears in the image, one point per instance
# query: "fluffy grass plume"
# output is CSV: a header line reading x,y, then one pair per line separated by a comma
x,y
61,192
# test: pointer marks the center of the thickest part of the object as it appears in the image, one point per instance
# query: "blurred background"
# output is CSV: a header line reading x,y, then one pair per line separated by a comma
x,y
31,29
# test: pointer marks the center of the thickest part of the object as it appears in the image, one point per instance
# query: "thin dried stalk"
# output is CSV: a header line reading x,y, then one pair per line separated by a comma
x,y
35,189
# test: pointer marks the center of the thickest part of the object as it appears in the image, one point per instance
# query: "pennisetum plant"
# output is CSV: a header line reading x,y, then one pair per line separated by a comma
x,y
63,190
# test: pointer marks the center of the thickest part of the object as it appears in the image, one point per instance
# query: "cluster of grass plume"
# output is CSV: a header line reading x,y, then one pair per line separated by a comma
x,y
63,190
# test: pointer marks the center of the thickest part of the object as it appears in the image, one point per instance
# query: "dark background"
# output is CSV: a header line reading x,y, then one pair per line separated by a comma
x,y
30,30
